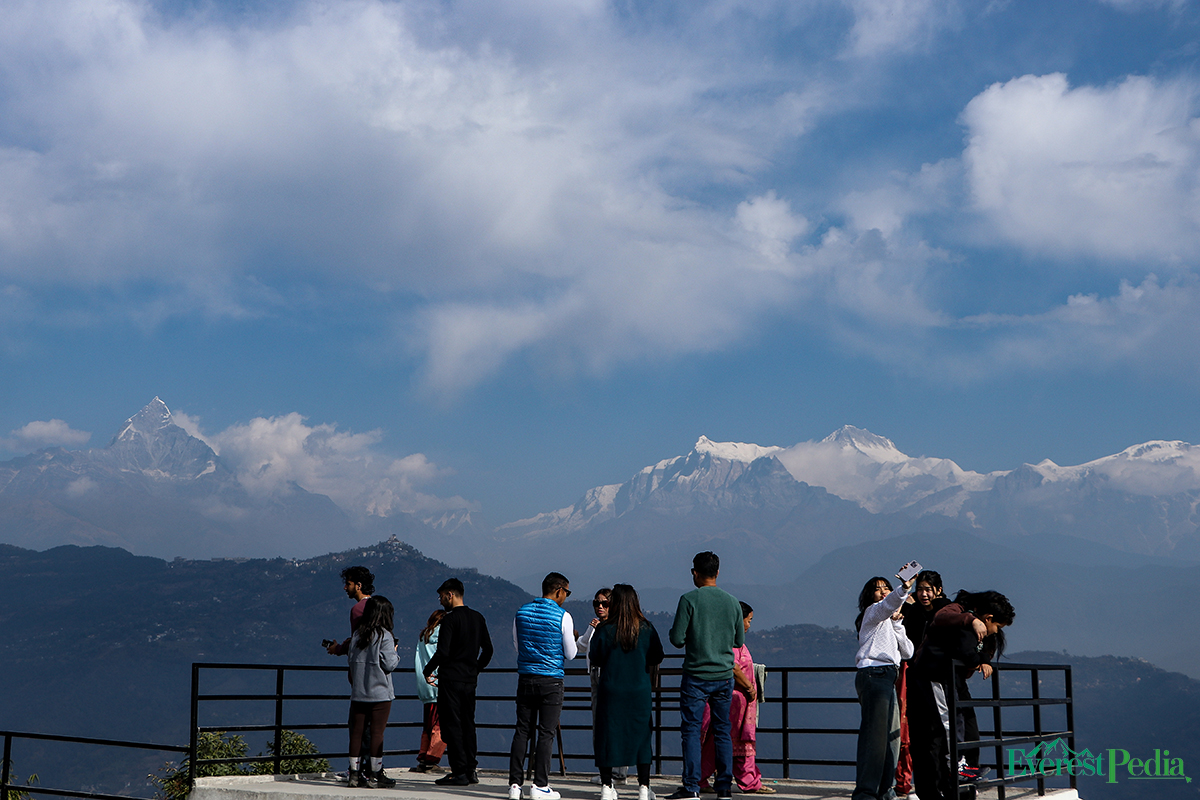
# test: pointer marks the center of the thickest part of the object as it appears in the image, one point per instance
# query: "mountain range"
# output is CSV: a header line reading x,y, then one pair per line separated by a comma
x,y
781,509
1142,499
799,528
156,490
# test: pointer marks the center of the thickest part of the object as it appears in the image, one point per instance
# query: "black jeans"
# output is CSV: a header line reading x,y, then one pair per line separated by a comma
x,y
539,705
456,712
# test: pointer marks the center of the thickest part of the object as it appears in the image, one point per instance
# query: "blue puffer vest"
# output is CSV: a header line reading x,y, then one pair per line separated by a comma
x,y
539,638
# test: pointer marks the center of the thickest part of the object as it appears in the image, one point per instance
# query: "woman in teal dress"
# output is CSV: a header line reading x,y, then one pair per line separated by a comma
x,y
626,648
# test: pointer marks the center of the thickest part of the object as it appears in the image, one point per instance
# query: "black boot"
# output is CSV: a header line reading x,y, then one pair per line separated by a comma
x,y
355,778
381,781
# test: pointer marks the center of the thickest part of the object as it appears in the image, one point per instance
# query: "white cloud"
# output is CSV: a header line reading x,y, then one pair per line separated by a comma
x,y
540,156
1144,328
889,206
269,454
48,433
191,425
80,486
1141,5
771,225
882,27
1108,172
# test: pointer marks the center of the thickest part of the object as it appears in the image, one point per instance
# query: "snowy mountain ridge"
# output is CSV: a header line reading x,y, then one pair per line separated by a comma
x,y
1151,489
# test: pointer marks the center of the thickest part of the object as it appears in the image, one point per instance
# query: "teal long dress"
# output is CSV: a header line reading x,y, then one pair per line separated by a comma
x,y
624,703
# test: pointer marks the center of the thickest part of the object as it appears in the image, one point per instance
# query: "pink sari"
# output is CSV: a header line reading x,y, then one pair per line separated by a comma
x,y
743,724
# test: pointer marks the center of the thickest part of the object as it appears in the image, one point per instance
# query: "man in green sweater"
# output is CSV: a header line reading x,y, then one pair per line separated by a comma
x,y
708,625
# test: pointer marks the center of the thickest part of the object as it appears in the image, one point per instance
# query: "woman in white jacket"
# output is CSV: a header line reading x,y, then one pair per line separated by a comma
x,y
882,644
372,658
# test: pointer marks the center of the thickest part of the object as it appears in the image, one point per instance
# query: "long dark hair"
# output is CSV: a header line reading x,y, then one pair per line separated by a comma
x,y
866,598
435,619
625,615
981,604
377,617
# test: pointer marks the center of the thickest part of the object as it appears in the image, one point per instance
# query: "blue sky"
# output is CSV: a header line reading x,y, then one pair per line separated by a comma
x,y
488,255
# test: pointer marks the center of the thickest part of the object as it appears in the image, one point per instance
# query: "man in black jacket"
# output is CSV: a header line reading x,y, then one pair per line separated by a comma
x,y
464,649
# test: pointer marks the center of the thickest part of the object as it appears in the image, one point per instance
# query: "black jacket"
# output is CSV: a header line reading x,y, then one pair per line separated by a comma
x,y
464,646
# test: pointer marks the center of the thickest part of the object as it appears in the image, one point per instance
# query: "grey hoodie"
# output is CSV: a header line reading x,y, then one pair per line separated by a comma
x,y
370,681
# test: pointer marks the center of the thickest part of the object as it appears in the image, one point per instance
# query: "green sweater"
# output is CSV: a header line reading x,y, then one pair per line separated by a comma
x,y
708,624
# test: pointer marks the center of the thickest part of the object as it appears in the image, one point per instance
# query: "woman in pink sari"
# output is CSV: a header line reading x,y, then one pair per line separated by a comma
x,y
743,721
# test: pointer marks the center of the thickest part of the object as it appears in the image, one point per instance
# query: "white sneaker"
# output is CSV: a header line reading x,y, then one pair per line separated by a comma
x,y
543,793
608,792
645,793
514,792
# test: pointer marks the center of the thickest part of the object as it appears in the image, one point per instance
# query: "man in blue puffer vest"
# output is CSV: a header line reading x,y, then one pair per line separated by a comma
x,y
545,638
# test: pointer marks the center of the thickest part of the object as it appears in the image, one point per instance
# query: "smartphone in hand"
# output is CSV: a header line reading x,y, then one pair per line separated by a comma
x,y
908,571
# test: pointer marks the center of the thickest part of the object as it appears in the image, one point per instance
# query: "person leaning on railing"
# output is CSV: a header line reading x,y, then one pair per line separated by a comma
x,y
969,630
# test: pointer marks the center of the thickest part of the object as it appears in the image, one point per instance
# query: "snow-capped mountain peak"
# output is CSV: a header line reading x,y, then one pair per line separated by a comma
x,y
870,470
150,442
877,448
153,417
734,451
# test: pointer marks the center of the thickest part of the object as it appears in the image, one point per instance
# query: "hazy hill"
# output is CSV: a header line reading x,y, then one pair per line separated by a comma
x,y
99,642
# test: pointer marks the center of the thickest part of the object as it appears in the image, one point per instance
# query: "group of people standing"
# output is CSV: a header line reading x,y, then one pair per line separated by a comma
x,y
718,702
908,641
452,650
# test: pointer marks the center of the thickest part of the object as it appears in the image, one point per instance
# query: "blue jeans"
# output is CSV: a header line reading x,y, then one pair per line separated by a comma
x,y
694,694
878,733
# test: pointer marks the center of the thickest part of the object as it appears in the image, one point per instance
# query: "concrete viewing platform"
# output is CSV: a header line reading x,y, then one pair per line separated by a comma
x,y
493,785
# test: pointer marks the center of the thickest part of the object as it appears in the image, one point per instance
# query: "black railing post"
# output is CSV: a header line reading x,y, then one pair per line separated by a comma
x,y
952,733
1035,691
194,736
278,763
997,732
5,771
658,701
1068,693
784,724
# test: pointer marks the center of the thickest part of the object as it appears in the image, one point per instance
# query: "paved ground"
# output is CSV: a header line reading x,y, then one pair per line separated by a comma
x,y
493,786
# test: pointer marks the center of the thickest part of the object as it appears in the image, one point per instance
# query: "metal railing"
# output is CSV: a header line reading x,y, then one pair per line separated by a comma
x,y
577,693
7,787
1001,738
782,700
787,705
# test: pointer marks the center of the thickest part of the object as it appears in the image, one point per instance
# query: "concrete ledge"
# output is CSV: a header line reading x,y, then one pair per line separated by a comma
x,y
493,785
